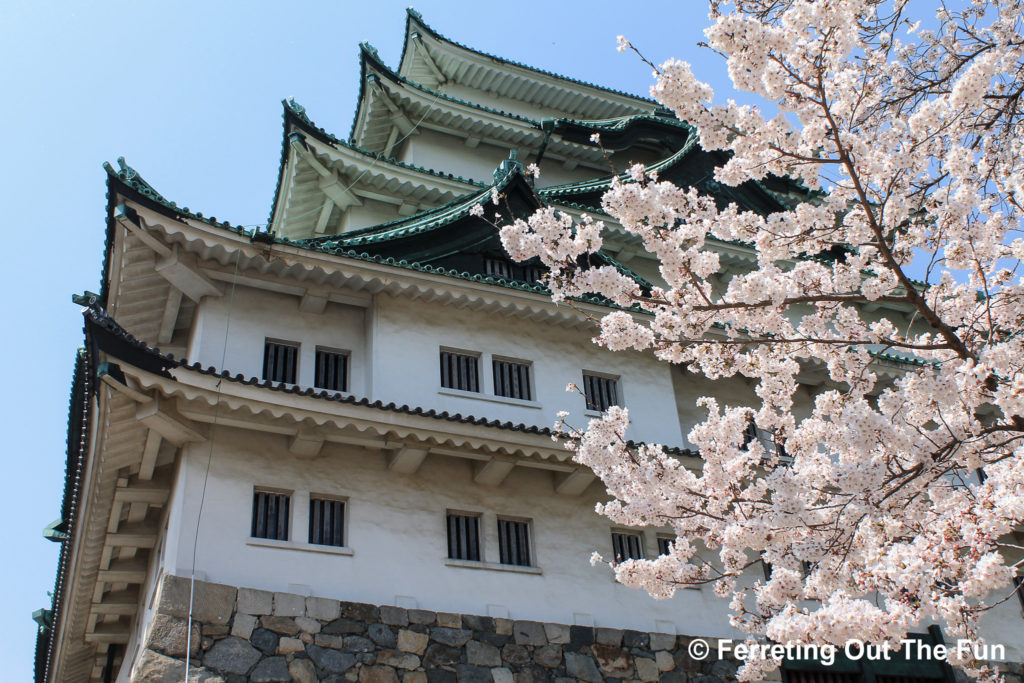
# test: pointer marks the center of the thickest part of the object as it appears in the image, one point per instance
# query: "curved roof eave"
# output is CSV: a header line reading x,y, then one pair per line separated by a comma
x,y
414,21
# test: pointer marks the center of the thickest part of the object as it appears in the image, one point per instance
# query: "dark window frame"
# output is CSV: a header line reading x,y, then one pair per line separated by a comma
x,y
512,378
457,374
322,376
267,508
328,516
272,364
601,391
623,549
515,542
462,530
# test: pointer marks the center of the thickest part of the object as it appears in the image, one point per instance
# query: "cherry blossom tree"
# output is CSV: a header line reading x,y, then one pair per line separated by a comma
x,y
895,501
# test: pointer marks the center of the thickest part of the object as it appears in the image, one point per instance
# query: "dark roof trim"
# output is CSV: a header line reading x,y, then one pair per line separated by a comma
x,y
415,20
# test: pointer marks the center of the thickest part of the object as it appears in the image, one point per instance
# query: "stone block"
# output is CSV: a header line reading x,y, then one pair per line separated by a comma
x,y
331,661
287,646
410,641
422,616
328,640
582,667
475,623
516,655
441,676
453,637
209,600
232,656
549,656
289,605
609,636
265,640
324,609
215,630
614,661
482,654
169,636
502,675
398,660
414,677
580,636
271,670
664,660
440,655
529,633
284,626
360,611
154,667
257,602
394,616
242,625
378,674
358,644
557,633
646,669
382,635
636,639
449,620
307,625
662,641
503,627
467,673
343,626
302,671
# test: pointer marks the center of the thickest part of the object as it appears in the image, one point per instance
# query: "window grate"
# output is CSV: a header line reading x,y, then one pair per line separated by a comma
x,y
463,537
512,379
498,268
280,361
664,545
270,515
331,370
459,371
514,542
601,392
533,274
327,522
627,546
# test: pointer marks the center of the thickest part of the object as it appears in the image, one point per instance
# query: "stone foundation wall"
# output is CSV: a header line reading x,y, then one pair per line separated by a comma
x,y
251,635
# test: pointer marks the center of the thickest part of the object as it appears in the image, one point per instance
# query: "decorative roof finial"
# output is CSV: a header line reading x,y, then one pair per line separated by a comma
x,y
510,165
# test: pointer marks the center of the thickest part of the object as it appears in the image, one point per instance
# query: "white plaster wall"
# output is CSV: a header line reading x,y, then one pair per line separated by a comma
x,y
505,104
408,337
230,332
448,153
396,534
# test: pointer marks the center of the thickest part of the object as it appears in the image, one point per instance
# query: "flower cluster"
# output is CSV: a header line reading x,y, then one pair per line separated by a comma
x,y
905,156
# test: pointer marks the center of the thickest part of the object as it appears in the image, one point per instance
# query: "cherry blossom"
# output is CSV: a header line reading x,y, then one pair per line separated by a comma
x,y
891,503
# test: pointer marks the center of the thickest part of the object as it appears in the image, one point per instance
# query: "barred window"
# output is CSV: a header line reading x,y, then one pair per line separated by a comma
x,y
514,542
459,371
463,537
326,521
601,392
533,274
498,267
331,370
280,361
512,379
627,546
664,545
270,515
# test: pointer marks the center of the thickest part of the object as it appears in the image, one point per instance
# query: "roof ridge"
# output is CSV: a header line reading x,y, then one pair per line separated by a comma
x,y
297,110
413,15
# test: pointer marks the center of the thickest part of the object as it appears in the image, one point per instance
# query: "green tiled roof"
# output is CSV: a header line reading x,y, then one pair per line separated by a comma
x,y
414,16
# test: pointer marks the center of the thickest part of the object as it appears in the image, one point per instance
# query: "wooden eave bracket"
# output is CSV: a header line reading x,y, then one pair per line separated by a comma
x,y
160,415
421,50
574,483
177,269
406,459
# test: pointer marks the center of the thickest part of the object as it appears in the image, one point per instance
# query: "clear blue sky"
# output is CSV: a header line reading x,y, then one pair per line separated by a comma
x,y
190,94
